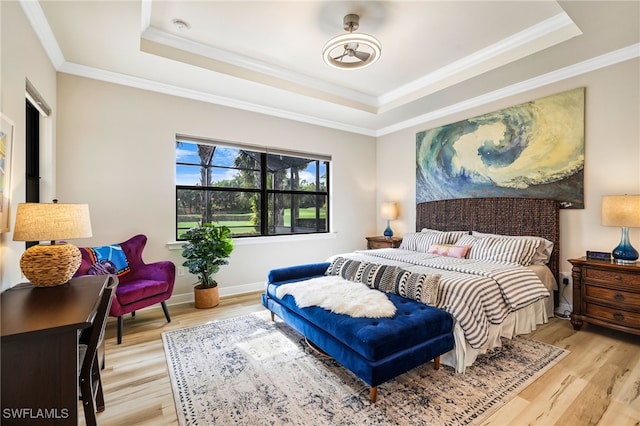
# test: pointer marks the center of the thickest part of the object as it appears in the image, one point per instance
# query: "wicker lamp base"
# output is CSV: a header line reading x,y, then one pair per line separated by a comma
x,y
50,265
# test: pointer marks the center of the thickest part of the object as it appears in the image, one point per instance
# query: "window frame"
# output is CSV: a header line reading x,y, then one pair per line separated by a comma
x,y
264,191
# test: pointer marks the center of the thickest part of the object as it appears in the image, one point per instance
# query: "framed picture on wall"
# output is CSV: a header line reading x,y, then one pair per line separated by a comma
x,y
6,144
531,150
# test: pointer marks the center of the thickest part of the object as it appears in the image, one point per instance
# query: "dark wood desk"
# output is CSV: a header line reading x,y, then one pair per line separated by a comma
x,y
39,349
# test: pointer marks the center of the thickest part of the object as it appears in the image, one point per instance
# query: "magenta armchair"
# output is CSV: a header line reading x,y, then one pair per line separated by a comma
x,y
144,285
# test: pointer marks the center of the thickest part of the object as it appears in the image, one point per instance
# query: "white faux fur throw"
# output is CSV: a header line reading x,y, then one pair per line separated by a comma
x,y
339,296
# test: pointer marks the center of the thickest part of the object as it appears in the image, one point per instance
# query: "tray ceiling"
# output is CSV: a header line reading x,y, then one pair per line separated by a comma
x,y
266,56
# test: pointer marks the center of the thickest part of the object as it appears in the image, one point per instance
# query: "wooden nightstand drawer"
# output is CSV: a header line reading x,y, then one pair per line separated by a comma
x,y
611,295
383,242
606,294
626,318
611,276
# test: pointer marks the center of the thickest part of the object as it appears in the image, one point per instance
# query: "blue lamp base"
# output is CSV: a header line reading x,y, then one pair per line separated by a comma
x,y
388,233
625,254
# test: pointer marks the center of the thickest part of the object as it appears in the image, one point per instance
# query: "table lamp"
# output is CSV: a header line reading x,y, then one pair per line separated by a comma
x,y
389,211
47,265
624,211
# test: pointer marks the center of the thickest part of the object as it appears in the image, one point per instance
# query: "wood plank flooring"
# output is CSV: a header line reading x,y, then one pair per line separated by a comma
x,y
598,383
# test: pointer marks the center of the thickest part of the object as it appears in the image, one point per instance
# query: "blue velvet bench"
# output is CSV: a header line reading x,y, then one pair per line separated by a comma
x,y
374,349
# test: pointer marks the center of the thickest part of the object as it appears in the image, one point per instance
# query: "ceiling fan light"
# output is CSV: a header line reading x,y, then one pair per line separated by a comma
x,y
338,42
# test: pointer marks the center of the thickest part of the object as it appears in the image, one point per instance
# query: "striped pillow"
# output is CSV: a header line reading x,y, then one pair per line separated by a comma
x,y
543,251
452,236
421,241
503,250
375,275
346,268
477,245
416,286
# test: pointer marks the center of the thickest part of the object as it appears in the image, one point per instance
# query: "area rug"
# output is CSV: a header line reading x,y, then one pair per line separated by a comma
x,y
252,371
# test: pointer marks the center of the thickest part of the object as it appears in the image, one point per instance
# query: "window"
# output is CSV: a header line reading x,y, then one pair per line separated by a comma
x,y
254,191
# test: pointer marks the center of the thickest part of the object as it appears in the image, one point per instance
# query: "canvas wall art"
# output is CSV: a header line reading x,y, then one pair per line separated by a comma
x,y
531,150
6,144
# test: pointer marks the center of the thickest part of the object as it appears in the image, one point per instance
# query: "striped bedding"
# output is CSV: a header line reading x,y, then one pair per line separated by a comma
x,y
476,293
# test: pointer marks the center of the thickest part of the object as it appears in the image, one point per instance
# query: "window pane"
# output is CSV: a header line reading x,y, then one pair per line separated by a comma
x,y
188,175
291,173
187,153
307,180
225,156
234,209
296,214
234,178
323,167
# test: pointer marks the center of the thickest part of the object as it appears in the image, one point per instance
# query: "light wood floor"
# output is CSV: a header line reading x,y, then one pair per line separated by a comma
x,y
598,383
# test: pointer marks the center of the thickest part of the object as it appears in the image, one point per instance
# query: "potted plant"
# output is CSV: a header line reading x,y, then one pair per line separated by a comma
x,y
207,248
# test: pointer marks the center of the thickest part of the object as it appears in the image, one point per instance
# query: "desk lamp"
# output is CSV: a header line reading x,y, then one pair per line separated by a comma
x,y
47,265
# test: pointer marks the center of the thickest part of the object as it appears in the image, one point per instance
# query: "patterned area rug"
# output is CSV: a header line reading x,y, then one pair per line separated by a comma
x,y
251,371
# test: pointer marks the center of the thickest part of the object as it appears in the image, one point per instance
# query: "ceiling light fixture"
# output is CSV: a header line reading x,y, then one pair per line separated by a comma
x,y
351,51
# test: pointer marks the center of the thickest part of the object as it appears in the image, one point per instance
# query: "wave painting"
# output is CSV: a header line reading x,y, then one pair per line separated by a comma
x,y
531,150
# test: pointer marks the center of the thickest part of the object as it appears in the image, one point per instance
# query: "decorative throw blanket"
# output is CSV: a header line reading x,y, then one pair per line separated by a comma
x,y
339,296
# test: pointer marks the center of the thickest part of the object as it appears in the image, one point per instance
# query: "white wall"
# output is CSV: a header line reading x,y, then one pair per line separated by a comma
x,y
116,152
612,157
22,57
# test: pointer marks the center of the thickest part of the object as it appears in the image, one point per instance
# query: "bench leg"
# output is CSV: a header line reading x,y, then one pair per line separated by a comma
x,y
436,363
374,394
273,317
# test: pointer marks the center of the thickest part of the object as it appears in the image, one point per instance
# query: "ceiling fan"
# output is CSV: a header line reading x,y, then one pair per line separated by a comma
x,y
352,50
351,23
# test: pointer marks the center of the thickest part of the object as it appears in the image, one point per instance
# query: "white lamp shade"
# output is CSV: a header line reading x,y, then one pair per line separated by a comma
x,y
51,221
389,211
621,210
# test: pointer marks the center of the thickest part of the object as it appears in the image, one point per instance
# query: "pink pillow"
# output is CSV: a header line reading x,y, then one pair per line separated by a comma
x,y
449,250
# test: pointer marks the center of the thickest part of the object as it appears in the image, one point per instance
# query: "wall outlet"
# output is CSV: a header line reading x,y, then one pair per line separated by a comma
x,y
565,278
180,271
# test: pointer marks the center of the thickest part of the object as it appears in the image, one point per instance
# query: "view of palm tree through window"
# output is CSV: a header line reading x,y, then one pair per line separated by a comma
x,y
253,193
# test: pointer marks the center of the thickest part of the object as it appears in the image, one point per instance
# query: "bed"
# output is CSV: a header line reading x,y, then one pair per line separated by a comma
x,y
499,300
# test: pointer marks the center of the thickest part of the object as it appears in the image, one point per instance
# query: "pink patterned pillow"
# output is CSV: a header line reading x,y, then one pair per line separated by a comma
x,y
449,250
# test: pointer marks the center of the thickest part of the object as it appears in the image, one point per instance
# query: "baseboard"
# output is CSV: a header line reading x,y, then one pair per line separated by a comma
x,y
177,299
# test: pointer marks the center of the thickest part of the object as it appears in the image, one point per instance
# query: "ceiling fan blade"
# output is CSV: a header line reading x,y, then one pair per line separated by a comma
x,y
337,58
363,56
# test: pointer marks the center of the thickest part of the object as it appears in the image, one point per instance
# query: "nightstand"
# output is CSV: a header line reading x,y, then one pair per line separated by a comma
x,y
383,242
606,294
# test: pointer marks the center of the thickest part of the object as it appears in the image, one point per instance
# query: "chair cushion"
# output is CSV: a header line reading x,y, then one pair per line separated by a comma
x,y
139,289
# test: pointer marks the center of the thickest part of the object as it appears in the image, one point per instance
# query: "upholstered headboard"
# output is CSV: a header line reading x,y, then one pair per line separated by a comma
x,y
507,216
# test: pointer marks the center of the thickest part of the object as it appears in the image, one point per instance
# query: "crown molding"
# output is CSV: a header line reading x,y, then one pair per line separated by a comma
x,y
602,61
256,66
549,32
167,89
